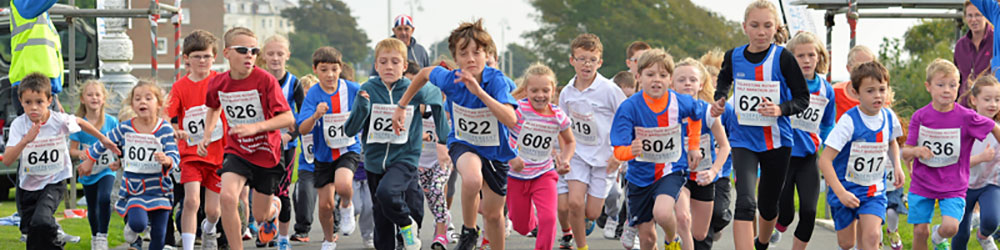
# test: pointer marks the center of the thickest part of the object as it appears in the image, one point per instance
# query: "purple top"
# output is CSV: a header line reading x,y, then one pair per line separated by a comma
x,y
971,61
949,181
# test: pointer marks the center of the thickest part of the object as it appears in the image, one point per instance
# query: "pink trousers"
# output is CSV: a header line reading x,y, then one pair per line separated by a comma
x,y
525,198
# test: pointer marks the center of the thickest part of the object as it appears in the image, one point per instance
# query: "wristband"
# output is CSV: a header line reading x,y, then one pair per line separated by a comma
x,y
401,106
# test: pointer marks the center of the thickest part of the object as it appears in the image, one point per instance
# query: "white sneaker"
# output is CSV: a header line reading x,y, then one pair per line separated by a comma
x,y
329,245
775,237
609,228
209,241
510,226
347,220
410,239
369,243
99,242
452,234
630,237
988,243
130,236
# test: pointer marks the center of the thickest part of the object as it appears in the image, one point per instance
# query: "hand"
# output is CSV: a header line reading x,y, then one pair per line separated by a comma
x,y
203,146
636,147
987,153
470,81
285,138
563,166
427,137
162,158
767,108
705,177
516,164
718,107
244,130
115,166
398,119
848,199
32,133
110,145
442,155
85,167
364,94
924,153
694,157
321,109
613,165
180,135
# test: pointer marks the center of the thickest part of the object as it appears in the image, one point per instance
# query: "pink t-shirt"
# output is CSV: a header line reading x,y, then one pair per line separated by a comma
x,y
556,122
951,180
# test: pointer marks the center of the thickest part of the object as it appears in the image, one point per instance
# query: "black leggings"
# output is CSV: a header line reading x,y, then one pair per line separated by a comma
x,y
773,164
803,175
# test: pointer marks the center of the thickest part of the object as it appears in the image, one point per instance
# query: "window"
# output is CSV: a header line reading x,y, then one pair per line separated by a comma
x,y
161,46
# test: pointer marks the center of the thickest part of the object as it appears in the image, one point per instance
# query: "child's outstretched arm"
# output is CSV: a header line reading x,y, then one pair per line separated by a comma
x,y
722,154
826,167
503,112
279,121
90,129
894,159
209,126
359,114
400,114
13,153
567,143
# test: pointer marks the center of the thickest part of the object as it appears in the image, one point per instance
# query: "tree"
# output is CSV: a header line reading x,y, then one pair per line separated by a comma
x,y
325,23
522,58
676,25
907,59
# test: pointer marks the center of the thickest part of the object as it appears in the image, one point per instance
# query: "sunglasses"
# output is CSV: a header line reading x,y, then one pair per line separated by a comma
x,y
243,50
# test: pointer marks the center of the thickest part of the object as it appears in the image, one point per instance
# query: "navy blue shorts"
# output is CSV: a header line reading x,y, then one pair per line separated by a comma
x,y
642,199
494,172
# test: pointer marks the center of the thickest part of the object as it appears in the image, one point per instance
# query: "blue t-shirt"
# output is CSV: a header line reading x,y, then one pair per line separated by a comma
x,y
728,121
634,112
496,85
807,143
706,130
762,138
306,150
86,140
340,101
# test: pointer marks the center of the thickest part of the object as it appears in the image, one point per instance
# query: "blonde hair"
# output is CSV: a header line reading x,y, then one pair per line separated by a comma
x,y
81,111
781,33
157,92
707,89
808,38
712,60
307,81
656,56
985,80
536,69
943,66
853,54
391,44
277,38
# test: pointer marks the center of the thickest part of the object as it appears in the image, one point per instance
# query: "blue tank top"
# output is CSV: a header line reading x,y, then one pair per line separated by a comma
x,y
862,134
762,138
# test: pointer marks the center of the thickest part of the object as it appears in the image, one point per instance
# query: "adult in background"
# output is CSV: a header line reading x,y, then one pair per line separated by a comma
x,y
974,50
35,47
402,29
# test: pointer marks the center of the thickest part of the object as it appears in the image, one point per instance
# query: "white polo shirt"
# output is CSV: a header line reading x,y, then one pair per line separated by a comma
x,y
595,105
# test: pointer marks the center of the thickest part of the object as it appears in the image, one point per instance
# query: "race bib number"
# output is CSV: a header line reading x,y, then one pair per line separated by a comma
x,y
536,140
890,178
584,128
333,130
307,147
705,147
660,144
476,126
44,156
808,120
242,107
749,96
430,131
945,144
138,154
194,124
866,163
380,125
102,162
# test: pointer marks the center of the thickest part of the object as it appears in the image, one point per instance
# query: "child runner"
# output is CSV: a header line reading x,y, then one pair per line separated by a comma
x,y
336,154
810,128
984,176
274,54
150,155
252,142
532,177
591,103
695,201
859,149
769,87
856,56
721,215
433,172
616,198
482,109
647,133
97,185
941,135
391,157
40,136
304,194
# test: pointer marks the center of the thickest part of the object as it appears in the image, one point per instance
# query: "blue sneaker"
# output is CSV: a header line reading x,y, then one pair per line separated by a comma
x,y
283,244
590,226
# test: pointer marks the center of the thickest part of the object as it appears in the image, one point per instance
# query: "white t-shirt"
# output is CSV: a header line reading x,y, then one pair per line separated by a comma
x,y
601,100
843,132
987,172
58,125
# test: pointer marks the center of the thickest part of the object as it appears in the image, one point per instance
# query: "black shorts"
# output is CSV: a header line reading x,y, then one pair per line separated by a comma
x,y
326,171
642,199
494,172
262,180
700,193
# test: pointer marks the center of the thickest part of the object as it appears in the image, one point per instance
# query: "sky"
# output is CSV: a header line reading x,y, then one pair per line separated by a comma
x,y
434,19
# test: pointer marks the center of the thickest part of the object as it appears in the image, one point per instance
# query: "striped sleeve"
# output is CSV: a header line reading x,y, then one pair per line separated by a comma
x,y
115,135
166,136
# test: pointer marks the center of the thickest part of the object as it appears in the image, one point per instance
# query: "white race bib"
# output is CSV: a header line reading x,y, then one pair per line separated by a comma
x,y
102,162
808,120
476,126
705,146
44,156
945,144
749,95
659,144
430,129
584,128
242,107
307,147
380,124
536,140
194,125
890,178
333,130
866,163
138,153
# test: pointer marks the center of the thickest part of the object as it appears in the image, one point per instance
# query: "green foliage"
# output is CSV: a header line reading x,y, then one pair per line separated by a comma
x,y
321,23
676,25
522,57
907,60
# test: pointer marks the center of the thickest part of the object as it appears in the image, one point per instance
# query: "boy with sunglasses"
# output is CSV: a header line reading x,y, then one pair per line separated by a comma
x,y
252,140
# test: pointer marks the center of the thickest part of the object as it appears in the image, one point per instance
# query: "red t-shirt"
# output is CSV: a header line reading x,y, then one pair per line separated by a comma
x,y
254,99
184,95
844,101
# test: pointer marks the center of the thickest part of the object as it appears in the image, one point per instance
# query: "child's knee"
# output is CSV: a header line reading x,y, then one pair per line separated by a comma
x,y
576,205
229,198
921,232
872,237
845,243
948,230
326,206
664,216
683,220
192,202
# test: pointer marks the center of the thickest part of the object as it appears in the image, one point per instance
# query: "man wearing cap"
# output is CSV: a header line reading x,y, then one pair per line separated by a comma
x,y
402,29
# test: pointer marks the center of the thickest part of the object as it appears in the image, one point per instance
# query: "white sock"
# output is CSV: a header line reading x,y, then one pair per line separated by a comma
x,y
936,238
892,220
209,227
282,237
187,240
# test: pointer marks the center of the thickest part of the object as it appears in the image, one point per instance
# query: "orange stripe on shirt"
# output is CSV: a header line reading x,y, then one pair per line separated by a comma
x,y
662,120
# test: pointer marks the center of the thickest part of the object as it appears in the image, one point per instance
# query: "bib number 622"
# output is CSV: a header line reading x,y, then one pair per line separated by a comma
x,y
745,102
473,127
